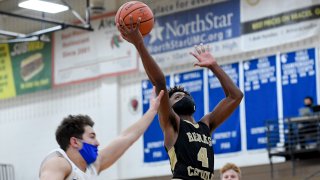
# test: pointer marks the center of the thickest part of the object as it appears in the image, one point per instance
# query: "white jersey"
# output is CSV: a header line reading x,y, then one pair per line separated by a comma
x,y
76,173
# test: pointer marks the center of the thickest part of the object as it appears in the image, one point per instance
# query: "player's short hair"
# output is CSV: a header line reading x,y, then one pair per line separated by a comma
x,y
229,166
310,98
177,89
72,126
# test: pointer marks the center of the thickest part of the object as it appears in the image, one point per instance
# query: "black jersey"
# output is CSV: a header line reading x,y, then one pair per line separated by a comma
x,y
192,155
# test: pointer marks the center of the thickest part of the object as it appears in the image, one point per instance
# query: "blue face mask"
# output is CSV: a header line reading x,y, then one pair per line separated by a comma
x,y
89,152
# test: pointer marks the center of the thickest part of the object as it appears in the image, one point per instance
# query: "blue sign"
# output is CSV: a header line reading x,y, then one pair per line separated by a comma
x,y
260,99
227,137
298,76
208,24
193,83
153,141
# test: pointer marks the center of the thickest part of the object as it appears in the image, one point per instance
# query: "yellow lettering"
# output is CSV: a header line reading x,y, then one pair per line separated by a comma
x,y
199,138
190,137
317,11
205,175
189,170
257,25
205,139
32,46
285,18
196,137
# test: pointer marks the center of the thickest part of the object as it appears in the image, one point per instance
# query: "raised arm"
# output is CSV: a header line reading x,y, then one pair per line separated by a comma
x,y
169,120
118,146
233,94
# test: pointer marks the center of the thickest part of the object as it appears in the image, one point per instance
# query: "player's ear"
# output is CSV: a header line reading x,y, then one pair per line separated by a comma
x,y
75,142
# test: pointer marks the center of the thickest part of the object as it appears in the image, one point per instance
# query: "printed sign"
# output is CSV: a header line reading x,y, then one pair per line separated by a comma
x,y
24,68
193,83
298,76
32,66
81,55
7,88
174,35
265,22
227,137
260,99
153,142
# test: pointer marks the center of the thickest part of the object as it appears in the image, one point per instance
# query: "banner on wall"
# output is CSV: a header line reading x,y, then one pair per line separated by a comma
x,y
260,92
164,7
192,82
264,23
81,55
153,140
7,88
298,74
24,68
227,137
174,35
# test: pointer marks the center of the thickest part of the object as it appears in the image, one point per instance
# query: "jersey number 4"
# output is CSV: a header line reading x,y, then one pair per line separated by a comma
x,y
203,157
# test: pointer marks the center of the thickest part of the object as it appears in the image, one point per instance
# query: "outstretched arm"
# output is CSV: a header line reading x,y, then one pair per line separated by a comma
x,y
169,120
233,95
118,146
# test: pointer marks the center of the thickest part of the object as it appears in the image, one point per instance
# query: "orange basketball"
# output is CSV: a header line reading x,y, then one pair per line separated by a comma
x,y
136,9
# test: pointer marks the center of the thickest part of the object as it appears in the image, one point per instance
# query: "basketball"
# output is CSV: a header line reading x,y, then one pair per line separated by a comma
x,y
136,9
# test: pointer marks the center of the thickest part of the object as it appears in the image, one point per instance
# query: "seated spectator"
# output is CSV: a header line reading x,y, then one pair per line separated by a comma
x,y
308,129
230,171
307,109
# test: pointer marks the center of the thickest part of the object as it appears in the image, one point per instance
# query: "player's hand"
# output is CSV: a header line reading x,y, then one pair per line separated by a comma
x,y
203,55
131,34
155,100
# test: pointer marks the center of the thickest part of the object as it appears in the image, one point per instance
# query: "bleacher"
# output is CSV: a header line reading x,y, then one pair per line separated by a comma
x,y
6,172
296,138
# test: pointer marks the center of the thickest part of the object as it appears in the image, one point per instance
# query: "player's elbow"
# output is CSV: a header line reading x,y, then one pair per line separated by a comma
x,y
237,97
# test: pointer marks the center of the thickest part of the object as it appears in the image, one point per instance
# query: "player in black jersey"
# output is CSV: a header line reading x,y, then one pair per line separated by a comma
x,y
188,143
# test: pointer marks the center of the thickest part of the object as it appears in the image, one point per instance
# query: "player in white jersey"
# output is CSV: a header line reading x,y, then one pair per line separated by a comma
x,y
75,173
78,158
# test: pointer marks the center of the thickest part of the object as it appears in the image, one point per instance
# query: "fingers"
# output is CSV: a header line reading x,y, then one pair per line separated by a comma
x,y
196,64
138,23
153,93
160,95
197,49
123,26
124,37
208,48
131,22
201,48
122,31
194,55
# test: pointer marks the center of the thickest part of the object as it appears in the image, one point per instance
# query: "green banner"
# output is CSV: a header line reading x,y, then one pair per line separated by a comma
x,y
24,68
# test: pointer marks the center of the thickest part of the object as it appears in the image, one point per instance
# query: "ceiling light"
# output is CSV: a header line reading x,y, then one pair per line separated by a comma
x,y
43,6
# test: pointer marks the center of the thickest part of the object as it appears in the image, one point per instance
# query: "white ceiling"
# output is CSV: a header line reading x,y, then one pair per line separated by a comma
x,y
24,26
